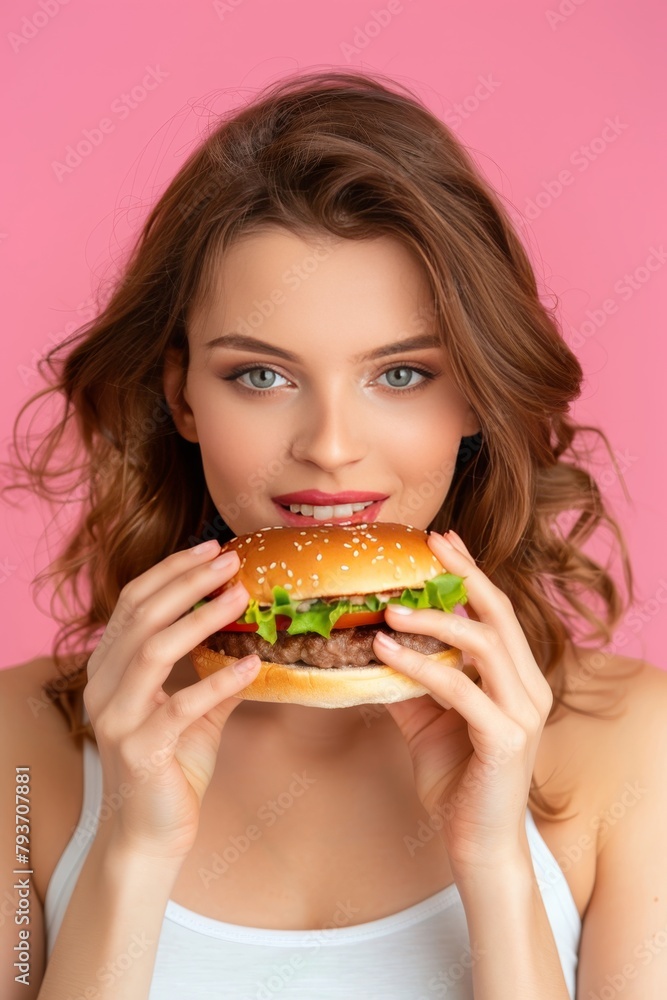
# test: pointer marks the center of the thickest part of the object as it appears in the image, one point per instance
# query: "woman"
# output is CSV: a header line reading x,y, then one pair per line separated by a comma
x,y
376,328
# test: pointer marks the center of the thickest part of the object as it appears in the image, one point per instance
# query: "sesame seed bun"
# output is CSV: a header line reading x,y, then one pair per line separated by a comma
x,y
335,560
329,561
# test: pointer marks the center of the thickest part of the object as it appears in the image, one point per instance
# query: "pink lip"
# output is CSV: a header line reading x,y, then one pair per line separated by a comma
x,y
319,499
367,515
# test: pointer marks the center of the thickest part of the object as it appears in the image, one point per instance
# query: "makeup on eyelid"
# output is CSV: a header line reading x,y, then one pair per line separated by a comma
x,y
427,375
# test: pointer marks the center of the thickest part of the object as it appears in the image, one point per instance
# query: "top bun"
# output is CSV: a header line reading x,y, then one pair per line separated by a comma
x,y
332,560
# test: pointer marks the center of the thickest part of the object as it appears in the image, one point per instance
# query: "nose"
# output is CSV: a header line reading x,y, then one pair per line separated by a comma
x,y
330,435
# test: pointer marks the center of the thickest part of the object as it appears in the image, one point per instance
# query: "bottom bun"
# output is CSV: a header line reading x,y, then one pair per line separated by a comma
x,y
339,687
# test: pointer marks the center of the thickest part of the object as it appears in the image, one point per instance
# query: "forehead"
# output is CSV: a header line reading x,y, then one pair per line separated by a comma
x,y
275,284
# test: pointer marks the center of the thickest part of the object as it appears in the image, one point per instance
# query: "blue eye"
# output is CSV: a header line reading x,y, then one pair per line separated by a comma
x,y
262,380
404,375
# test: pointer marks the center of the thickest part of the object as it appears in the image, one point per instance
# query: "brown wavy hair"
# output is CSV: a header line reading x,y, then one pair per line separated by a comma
x,y
354,156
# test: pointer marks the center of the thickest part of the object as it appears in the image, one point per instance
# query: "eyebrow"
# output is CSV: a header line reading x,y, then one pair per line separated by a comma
x,y
241,342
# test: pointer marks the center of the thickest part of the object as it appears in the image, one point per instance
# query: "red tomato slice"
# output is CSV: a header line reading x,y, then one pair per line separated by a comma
x,y
355,618
351,620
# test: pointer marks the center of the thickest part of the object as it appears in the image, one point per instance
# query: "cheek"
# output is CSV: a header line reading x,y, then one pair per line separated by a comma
x,y
236,452
423,454
236,464
425,436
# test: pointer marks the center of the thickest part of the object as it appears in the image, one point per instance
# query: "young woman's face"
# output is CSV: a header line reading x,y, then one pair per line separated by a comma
x,y
309,400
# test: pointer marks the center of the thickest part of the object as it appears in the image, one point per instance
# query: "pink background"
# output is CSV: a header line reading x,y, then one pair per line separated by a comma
x,y
530,87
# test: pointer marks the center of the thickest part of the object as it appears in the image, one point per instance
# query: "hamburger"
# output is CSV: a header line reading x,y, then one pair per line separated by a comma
x,y
317,599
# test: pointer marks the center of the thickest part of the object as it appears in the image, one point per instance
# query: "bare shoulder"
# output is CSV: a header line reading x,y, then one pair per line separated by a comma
x,y
26,703
35,735
640,730
622,692
617,731
625,902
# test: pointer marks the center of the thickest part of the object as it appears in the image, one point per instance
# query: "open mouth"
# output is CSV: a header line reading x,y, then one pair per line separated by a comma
x,y
347,513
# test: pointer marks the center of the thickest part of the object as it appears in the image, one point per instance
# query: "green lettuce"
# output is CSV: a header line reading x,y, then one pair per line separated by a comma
x,y
444,591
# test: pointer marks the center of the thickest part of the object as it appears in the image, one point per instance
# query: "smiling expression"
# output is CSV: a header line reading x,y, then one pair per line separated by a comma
x,y
306,397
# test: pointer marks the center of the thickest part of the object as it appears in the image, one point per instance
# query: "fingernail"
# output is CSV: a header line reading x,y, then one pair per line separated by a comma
x,y
247,665
209,546
386,640
223,561
400,609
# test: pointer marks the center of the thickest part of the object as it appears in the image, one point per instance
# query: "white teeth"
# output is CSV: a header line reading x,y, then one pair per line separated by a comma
x,y
328,513
301,508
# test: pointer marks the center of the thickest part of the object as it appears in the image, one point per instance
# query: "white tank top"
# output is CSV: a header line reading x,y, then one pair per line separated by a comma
x,y
420,953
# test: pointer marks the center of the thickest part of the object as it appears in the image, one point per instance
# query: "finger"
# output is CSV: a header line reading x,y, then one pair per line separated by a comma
x,y
217,694
139,589
151,666
492,607
142,612
451,688
415,714
500,678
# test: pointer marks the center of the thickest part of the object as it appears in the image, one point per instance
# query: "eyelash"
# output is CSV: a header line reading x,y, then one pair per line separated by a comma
x,y
243,369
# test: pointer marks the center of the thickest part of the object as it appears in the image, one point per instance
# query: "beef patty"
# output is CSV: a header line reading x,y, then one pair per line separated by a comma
x,y
347,647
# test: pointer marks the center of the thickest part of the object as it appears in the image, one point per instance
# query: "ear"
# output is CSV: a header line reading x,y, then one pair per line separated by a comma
x,y
175,394
471,424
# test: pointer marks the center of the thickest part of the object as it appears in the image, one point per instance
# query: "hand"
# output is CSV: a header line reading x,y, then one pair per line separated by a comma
x,y
473,749
158,752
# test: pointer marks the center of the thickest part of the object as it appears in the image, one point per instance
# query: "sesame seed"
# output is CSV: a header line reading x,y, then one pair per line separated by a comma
x,y
288,586
398,545
299,582
260,579
346,545
363,545
318,556
290,573
273,565
261,548
345,567
248,539
356,552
